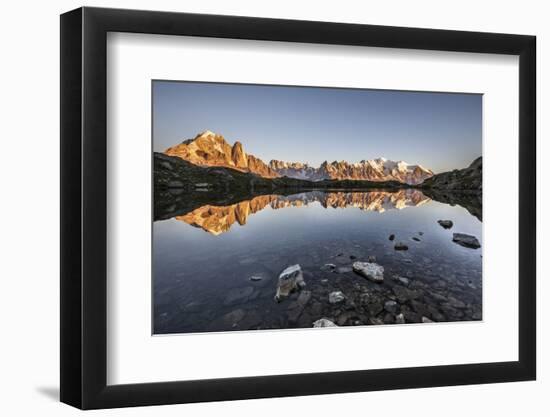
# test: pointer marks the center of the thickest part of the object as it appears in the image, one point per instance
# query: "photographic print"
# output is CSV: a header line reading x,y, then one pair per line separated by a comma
x,y
286,207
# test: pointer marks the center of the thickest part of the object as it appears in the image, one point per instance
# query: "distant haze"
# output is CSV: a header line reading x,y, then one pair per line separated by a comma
x,y
440,131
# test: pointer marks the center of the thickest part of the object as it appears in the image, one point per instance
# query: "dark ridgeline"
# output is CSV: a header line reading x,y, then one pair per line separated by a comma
x,y
466,179
460,186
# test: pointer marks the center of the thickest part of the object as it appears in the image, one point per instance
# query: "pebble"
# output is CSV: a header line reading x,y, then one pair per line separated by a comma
x,y
391,307
336,297
324,323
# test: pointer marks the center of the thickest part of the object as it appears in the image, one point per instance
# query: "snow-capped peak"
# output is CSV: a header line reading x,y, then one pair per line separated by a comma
x,y
379,169
220,153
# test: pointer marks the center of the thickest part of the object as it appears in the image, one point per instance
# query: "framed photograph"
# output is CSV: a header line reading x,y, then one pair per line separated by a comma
x,y
257,208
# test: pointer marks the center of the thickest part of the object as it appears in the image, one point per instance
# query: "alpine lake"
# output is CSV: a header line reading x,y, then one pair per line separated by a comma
x,y
216,264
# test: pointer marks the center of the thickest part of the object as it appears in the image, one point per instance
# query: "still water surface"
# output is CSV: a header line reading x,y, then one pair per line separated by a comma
x,y
203,262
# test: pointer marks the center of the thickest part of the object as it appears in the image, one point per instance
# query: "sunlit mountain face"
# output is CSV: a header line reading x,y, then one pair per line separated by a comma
x,y
219,219
211,149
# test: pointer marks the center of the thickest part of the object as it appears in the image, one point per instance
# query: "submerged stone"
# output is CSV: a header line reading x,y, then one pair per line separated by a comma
x,y
403,294
388,319
336,297
391,306
294,311
234,317
369,270
175,184
238,295
402,280
347,317
303,298
328,267
258,277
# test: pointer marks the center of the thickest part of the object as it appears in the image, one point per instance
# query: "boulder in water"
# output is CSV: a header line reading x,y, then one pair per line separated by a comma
x,y
324,323
400,246
468,241
446,224
369,270
291,279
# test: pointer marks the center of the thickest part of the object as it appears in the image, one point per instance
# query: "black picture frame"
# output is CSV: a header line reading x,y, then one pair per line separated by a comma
x,y
84,207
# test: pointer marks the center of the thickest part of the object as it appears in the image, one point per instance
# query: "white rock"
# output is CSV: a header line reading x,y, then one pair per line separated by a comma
x,y
290,279
336,297
324,323
426,320
400,319
369,270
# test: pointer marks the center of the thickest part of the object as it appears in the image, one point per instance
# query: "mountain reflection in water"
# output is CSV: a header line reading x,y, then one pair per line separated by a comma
x,y
219,219
226,279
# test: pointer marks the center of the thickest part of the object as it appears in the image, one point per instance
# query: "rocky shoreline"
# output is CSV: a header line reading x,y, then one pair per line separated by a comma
x,y
350,288
405,302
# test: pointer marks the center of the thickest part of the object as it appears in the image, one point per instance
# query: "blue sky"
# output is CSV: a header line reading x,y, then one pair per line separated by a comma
x,y
440,131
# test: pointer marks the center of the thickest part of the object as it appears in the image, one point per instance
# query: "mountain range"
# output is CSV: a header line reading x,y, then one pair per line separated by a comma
x,y
212,150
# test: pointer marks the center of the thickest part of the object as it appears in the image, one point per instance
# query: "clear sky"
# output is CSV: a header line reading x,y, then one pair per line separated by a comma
x,y
308,124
